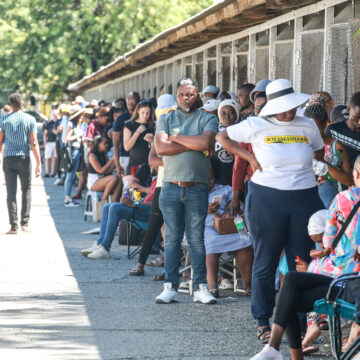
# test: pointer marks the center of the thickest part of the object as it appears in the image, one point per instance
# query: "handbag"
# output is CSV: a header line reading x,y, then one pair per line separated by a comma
x,y
66,160
136,235
98,208
225,224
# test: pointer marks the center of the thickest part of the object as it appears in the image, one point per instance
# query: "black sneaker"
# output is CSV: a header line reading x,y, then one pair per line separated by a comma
x,y
46,176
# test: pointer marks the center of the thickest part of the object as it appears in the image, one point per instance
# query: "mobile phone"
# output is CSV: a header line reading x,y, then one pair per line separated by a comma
x,y
217,199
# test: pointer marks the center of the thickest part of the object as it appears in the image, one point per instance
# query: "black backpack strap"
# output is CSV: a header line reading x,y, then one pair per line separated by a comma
x,y
345,225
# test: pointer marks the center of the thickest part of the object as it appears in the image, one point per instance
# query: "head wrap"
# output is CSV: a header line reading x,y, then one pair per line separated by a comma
x,y
317,222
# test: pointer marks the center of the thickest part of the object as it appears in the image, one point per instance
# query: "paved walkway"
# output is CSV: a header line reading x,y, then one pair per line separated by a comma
x,y
56,304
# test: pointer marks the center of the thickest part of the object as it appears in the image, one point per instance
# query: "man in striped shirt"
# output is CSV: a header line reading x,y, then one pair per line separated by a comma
x,y
18,134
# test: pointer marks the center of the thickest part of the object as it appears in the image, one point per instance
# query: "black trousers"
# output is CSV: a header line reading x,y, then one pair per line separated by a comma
x,y
58,159
298,293
154,226
277,220
18,166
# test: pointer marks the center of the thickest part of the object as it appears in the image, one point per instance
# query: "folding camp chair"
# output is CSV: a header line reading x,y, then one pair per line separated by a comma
x,y
137,224
336,309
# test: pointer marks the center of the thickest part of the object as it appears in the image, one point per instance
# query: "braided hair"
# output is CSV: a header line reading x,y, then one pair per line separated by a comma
x,y
317,112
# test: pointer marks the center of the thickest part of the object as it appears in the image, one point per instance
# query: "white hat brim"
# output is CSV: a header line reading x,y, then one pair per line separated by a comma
x,y
79,112
284,103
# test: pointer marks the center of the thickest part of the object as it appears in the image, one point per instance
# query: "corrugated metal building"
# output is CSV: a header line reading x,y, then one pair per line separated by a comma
x,y
309,42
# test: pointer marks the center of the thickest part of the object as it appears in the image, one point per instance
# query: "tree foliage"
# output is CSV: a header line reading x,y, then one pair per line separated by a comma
x,y
47,44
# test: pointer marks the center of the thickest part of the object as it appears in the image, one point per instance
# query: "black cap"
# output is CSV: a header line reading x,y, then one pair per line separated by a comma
x,y
339,114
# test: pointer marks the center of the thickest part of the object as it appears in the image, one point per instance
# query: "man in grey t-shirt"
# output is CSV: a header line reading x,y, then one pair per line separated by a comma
x,y
184,138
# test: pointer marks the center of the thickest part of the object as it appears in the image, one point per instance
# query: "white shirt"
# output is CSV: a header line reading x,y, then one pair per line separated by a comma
x,y
283,149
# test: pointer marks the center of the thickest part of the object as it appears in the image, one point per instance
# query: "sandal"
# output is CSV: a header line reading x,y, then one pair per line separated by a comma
x,y
137,272
324,325
215,293
310,350
159,277
158,262
264,334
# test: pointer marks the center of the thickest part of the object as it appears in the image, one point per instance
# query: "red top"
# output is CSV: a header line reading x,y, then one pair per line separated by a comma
x,y
94,129
150,196
241,169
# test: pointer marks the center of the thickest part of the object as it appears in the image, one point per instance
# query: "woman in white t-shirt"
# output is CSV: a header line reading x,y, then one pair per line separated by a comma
x,y
282,192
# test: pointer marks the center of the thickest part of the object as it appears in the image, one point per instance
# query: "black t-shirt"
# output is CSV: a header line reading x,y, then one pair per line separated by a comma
x,y
101,158
350,139
222,163
119,126
140,151
144,175
50,126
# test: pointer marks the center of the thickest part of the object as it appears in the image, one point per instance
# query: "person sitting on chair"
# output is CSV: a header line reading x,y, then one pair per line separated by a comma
x,y
100,176
141,181
110,217
216,244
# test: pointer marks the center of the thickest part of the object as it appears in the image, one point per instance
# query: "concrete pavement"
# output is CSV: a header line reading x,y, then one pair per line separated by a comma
x,y
56,304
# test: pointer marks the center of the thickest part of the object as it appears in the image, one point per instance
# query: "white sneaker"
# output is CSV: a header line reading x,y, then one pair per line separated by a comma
x,y
71,204
203,295
100,253
169,295
59,182
86,252
268,353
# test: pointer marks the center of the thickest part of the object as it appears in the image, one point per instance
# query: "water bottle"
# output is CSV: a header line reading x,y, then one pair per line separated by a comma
x,y
126,190
239,223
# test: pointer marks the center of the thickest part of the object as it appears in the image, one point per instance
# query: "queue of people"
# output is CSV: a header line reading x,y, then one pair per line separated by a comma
x,y
278,158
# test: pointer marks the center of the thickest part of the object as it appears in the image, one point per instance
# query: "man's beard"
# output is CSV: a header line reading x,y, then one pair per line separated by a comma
x,y
188,109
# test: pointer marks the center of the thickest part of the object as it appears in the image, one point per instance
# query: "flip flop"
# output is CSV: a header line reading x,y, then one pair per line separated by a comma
x,y
158,262
137,272
310,350
159,277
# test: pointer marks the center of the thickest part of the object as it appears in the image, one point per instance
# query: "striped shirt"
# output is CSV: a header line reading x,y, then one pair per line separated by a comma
x,y
17,127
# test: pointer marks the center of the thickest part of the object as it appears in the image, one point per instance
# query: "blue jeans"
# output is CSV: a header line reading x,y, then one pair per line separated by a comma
x,y
184,210
75,160
110,217
327,192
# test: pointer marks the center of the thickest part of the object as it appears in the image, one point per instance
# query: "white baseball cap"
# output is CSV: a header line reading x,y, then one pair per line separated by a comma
x,y
211,105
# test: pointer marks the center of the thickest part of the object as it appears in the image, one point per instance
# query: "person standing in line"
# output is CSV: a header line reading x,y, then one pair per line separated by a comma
x,y
121,156
50,144
73,140
19,134
138,136
348,132
243,98
282,193
183,138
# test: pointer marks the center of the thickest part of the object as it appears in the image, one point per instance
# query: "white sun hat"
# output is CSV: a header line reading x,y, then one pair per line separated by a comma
x,y
281,97
232,103
211,105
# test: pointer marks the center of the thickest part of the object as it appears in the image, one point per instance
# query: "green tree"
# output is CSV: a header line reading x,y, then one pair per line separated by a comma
x,y
47,44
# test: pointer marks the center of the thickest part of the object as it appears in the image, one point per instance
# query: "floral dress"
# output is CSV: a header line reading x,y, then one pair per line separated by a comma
x,y
341,260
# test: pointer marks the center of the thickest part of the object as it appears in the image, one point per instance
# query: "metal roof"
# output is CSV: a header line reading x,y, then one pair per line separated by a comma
x,y
226,17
